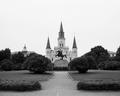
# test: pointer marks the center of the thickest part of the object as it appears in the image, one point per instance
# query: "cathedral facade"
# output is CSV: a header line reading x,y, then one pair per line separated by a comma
x,y
61,52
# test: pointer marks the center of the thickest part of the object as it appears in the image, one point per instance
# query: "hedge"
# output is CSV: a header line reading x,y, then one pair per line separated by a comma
x,y
11,85
99,85
109,65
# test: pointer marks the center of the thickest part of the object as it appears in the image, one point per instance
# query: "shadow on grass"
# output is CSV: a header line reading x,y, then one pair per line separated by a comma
x,y
97,91
20,91
32,73
87,73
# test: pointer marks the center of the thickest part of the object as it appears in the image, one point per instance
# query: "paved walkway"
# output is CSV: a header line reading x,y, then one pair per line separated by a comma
x,y
60,85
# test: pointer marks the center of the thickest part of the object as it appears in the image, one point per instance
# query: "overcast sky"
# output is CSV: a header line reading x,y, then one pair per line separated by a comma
x,y
30,22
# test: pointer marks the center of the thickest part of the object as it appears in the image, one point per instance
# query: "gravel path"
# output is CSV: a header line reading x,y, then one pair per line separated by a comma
x,y
60,85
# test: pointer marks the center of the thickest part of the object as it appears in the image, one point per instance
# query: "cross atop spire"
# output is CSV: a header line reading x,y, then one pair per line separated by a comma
x,y
48,44
61,33
74,43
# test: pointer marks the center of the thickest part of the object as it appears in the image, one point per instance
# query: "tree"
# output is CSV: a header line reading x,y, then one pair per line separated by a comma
x,y
99,53
5,54
118,52
37,63
2,55
18,59
6,65
80,64
117,57
92,63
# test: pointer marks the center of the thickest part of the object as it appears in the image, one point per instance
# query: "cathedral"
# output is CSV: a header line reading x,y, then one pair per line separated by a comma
x,y
61,52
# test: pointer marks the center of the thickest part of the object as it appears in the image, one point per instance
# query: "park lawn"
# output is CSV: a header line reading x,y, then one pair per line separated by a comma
x,y
96,75
24,75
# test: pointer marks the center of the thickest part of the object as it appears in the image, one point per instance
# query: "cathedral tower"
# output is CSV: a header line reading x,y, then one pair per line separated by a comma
x,y
61,52
74,49
48,49
61,38
24,51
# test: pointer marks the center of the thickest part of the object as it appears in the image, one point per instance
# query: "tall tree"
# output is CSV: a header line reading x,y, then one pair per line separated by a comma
x,y
18,57
5,54
99,53
118,52
117,57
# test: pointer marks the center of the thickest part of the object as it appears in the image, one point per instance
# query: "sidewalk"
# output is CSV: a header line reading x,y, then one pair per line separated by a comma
x,y
60,85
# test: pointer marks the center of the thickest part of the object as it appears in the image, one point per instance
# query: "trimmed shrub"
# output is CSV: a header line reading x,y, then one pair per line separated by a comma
x,y
80,64
98,85
6,65
37,63
10,85
109,65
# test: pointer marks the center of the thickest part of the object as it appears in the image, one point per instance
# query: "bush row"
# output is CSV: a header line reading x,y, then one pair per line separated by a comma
x,y
109,65
82,64
35,63
10,85
98,85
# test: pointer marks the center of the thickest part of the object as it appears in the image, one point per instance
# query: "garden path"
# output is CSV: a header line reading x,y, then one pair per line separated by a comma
x,y
60,85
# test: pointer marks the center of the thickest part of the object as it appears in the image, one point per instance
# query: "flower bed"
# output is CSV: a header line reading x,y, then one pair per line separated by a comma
x,y
23,85
107,84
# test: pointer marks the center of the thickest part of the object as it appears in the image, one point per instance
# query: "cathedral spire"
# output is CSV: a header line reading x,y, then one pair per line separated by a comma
x,y
61,27
25,48
74,43
61,33
48,44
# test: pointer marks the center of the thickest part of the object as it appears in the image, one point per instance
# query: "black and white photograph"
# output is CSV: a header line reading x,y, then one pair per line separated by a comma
x,y
59,47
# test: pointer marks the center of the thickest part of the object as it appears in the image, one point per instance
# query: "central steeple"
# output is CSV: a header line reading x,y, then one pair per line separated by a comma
x,y
61,32
61,27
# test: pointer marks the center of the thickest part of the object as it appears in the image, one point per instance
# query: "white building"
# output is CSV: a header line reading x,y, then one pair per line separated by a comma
x,y
61,51
112,54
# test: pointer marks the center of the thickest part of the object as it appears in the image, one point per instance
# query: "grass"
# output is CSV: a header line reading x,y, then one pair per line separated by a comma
x,y
95,74
97,80
24,75
22,80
